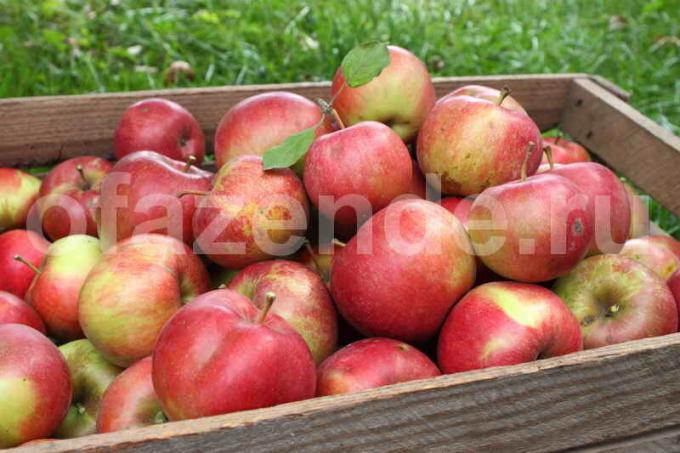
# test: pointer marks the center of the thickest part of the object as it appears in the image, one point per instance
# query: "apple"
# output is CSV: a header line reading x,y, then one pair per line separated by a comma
x,y
418,184
220,354
250,214
91,375
674,285
492,154
460,207
320,259
371,363
15,311
368,162
133,290
18,192
55,289
489,94
130,400
617,299
400,97
301,299
506,323
653,254
35,388
402,272
639,213
139,195
31,247
665,241
565,151
69,196
260,122
159,125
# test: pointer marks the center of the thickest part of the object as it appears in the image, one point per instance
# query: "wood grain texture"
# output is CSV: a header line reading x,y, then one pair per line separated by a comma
x,y
590,398
625,140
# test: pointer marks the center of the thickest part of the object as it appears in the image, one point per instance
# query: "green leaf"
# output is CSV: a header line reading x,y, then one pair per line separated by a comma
x,y
365,62
290,151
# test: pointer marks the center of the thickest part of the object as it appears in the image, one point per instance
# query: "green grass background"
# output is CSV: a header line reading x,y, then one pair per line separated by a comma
x,y
65,46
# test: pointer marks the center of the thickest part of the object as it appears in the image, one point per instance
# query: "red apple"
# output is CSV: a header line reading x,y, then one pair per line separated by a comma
x,y
135,288
665,241
506,323
15,311
674,285
18,192
616,299
139,195
159,125
639,213
16,276
220,354
35,389
402,272
130,401
263,121
70,196
301,299
418,184
400,97
487,93
460,207
371,363
565,151
653,254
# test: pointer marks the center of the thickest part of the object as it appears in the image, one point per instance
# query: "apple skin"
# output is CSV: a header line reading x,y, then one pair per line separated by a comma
x,y
247,205
130,401
403,294
371,363
665,241
35,387
18,192
401,96
674,286
418,184
214,357
16,276
639,213
91,375
617,299
301,299
15,311
506,323
133,290
162,126
319,261
535,209
565,151
486,93
367,160
65,180
147,175
493,155
653,254
260,122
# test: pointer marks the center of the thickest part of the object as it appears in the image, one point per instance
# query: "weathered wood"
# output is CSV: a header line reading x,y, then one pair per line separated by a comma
x,y
589,398
625,139
663,441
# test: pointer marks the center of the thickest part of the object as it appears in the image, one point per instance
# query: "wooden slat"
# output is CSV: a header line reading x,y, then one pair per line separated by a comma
x,y
589,398
43,130
625,139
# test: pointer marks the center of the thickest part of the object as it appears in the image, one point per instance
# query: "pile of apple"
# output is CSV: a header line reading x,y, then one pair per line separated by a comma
x,y
319,259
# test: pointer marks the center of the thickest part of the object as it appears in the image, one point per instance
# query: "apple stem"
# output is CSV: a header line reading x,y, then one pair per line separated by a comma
x,y
28,264
339,243
548,153
505,92
558,137
222,286
327,109
310,250
525,162
81,172
191,160
199,193
269,299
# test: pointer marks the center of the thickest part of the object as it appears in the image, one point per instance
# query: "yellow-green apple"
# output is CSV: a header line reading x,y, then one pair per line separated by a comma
x,y
617,299
35,388
69,196
402,272
133,290
221,354
15,311
400,97
139,196
130,400
263,121
351,173
639,213
371,363
18,192
674,285
159,125
250,214
55,289
301,299
31,248
608,202
472,143
506,323
654,254
564,151
91,374
489,94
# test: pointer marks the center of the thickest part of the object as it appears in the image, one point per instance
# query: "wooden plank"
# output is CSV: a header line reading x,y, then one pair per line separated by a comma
x,y
43,130
663,441
588,398
625,140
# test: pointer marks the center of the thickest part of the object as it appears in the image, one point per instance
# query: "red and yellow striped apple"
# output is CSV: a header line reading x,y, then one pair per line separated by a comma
x,y
565,151
654,253
18,192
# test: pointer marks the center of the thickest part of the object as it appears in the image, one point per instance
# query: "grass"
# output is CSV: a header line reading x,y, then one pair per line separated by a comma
x,y
67,46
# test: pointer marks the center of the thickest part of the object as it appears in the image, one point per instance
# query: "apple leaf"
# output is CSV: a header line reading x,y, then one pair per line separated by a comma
x,y
290,151
365,62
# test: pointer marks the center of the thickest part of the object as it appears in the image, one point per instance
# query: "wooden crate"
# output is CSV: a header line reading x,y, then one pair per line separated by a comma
x,y
622,397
